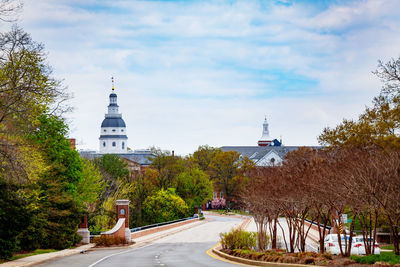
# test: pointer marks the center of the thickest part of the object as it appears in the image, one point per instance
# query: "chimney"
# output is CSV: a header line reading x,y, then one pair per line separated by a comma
x,y
72,142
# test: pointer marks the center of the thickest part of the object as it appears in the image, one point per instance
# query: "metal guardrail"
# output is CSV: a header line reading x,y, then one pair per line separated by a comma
x,y
159,224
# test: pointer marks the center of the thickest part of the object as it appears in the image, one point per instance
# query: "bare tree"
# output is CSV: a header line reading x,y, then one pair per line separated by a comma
x,y
259,198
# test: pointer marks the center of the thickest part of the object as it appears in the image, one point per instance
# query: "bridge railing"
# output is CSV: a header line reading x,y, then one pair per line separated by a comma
x,y
160,224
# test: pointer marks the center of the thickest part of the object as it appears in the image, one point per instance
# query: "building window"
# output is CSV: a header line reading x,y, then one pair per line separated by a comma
x,y
123,145
104,144
113,130
113,144
122,211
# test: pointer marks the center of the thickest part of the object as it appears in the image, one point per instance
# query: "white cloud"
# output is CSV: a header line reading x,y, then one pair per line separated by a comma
x,y
194,73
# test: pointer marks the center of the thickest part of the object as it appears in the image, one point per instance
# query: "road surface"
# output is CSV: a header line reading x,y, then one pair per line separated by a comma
x,y
186,248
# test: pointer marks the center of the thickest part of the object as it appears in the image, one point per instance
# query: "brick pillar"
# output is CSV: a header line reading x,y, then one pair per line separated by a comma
x,y
83,223
122,206
83,230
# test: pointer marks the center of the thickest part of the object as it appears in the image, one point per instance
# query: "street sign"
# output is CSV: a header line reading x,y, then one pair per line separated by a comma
x,y
344,218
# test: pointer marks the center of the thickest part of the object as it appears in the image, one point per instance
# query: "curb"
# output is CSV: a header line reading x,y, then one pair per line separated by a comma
x,y
37,259
254,262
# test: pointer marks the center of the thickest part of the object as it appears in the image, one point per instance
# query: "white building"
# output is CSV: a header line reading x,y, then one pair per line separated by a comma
x,y
269,152
113,139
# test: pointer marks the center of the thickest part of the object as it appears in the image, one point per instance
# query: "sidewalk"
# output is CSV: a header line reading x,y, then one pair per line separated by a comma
x,y
33,260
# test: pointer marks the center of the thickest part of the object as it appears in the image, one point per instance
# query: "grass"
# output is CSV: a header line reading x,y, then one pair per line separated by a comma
x,y
35,252
241,212
389,257
219,211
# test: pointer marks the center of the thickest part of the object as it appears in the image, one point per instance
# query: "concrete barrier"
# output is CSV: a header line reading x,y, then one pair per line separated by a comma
x,y
118,230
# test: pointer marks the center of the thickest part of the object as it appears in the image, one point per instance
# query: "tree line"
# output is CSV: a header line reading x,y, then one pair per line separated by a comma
x,y
44,183
356,172
170,188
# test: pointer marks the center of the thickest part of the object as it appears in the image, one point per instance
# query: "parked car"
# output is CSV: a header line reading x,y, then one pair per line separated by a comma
x,y
331,244
357,246
360,246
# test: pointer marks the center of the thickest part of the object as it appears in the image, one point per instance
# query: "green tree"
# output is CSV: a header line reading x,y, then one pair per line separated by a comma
x,y
164,206
113,165
144,184
59,211
378,125
14,217
228,172
195,187
27,90
114,170
204,156
90,187
168,168
115,174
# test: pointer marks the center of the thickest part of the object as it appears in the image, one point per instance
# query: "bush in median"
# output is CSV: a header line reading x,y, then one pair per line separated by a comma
x,y
238,239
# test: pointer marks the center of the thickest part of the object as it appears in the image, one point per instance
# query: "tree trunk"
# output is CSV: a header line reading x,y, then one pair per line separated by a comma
x,y
274,233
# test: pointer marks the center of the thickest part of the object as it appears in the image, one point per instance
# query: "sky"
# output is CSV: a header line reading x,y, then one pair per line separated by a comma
x,y
191,73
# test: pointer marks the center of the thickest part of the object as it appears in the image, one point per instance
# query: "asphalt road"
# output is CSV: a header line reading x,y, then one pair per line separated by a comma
x,y
186,248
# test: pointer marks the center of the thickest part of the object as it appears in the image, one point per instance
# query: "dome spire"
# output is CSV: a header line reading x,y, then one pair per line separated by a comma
x,y
112,82
265,139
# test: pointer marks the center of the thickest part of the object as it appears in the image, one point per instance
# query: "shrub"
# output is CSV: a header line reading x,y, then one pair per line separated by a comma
x,y
327,256
201,216
105,240
238,239
309,260
164,206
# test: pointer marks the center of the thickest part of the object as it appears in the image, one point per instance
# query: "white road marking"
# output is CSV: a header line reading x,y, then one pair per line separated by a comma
x,y
119,253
